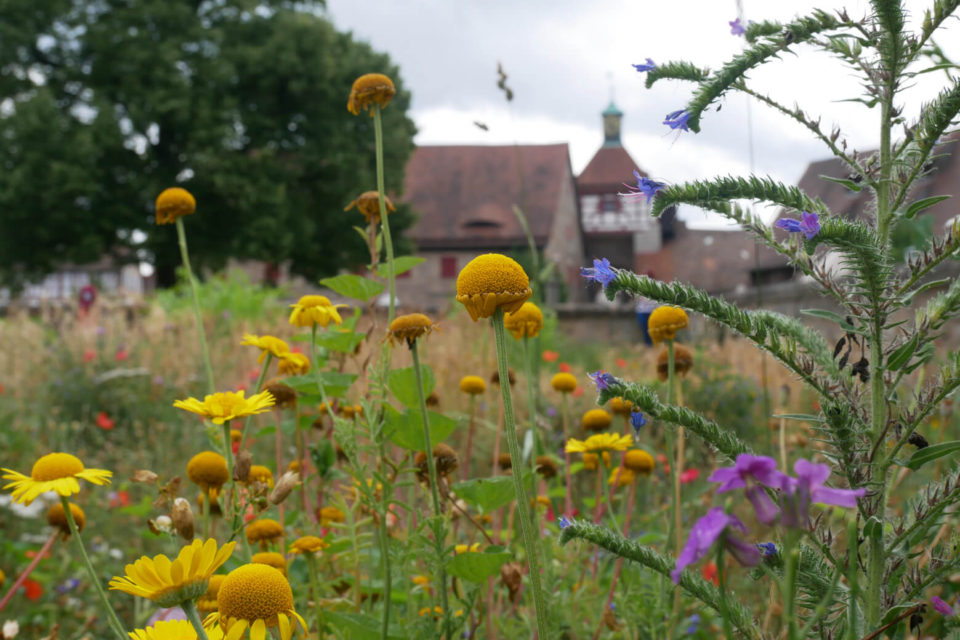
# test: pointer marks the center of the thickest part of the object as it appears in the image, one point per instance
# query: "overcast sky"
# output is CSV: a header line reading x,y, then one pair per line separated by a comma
x,y
564,57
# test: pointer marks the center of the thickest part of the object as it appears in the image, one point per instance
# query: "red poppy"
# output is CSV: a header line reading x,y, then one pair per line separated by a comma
x,y
563,366
33,589
621,362
550,356
236,447
689,475
89,355
577,392
121,355
119,499
104,421
710,573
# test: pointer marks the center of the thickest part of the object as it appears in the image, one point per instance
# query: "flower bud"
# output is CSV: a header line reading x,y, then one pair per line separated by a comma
x,y
182,516
160,525
241,466
287,482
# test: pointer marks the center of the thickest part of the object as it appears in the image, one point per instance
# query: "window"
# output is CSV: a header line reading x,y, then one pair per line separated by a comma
x,y
448,267
610,203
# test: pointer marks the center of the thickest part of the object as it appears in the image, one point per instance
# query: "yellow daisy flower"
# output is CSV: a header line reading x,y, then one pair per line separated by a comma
x,y
255,597
308,544
267,344
171,583
315,310
293,364
227,405
600,442
53,472
525,322
173,630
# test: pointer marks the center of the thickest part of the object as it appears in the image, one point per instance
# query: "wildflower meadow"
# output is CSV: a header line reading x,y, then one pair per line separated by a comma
x,y
227,461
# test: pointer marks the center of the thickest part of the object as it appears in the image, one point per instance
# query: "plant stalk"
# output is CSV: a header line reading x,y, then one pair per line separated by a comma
x,y
384,222
185,256
190,608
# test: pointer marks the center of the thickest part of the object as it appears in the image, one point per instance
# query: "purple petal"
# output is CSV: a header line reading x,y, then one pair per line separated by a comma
x,y
766,509
837,497
730,478
746,554
810,473
942,607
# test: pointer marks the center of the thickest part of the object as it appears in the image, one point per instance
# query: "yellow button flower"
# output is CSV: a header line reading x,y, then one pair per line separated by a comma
x,y
564,382
263,530
57,518
682,362
174,203
525,322
315,310
639,461
492,281
171,583
596,420
227,405
408,328
591,460
271,559
208,470
207,603
53,472
255,597
621,407
308,544
267,344
664,323
474,385
368,203
330,514
621,477
368,90
600,442
260,473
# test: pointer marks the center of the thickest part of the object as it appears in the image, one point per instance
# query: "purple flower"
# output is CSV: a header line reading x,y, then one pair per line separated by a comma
x,y
706,531
942,607
747,472
678,120
602,379
649,65
645,187
600,272
808,488
637,421
737,28
563,522
808,225
693,622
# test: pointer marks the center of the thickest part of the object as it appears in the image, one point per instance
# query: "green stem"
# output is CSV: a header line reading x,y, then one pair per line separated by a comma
x,y
384,222
674,526
185,256
190,608
432,468
315,589
788,588
852,572
260,379
385,543
523,511
724,604
531,400
111,614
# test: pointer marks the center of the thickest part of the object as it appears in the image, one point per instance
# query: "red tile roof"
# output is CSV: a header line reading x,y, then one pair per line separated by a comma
x,y
464,195
606,172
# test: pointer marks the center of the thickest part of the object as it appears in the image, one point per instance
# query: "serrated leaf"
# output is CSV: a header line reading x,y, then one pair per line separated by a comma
x,y
487,494
849,184
403,384
476,566
931,453
406,429
353,286
902,354
401,264
923,203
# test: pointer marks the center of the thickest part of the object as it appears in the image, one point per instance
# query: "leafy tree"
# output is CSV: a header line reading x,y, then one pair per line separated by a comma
x,y
243,103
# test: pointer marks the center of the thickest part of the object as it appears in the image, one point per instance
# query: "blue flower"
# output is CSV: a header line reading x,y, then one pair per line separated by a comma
x,y
693,623
637,421
678,120
808,225
563,522
645,187
737,28
601,272
602,379
768,549
649,65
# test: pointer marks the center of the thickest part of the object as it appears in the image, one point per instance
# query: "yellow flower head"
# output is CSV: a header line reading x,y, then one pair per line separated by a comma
x,y
492,281
596,420
57,518
172,630
421,581
171,583
525,322
331,514
638,461
621,477
664,323
462,548
409,327
682,362
368,90
208,470
591,460
53,472
315,310
207,603
621,407
600,442
474,385
368,203
271,559
263,530
564,382
267,344
308,544
227,405
293,364
260,473
174,203
255,597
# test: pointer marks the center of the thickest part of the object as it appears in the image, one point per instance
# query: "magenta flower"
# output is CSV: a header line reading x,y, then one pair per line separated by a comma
x,y
808,487
942,607
714,526
750,472
808,225
645,187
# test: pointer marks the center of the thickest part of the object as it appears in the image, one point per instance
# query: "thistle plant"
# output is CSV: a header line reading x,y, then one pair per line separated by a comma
x,y
866,578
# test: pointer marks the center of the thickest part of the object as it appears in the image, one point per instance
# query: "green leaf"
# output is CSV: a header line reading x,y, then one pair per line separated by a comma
x,y
360,625
833,317
805,417
903,353
406,429
335,384
849,184
340,341
477,567
928,454
487,494
324,456
401,264
353,286
403,384
923,203
873,528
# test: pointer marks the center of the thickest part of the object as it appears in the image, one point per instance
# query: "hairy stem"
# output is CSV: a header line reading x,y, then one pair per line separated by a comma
x,y
185,256
384,222
190,608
